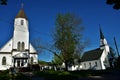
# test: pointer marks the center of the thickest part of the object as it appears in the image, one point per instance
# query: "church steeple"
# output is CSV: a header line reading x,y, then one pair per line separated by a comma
x,y
21,20
101,34
21,13
21,29
103,41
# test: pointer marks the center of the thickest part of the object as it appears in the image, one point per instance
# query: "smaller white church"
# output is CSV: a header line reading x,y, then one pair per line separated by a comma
x,y
18,51
97,59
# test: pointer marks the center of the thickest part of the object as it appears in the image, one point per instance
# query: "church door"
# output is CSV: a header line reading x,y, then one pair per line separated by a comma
x,y
18,63
22,63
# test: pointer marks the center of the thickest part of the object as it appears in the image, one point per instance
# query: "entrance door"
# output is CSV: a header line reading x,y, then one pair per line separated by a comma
x,y
18,63
22,63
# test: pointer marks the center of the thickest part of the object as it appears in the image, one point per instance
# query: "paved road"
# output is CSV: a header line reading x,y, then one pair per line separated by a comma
x,y
113,75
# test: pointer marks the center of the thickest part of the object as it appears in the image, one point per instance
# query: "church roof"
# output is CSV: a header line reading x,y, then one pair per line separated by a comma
x,y
7,47
32,49
92,55
21,14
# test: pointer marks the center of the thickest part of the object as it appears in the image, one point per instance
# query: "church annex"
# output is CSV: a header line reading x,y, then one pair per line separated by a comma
x,y
18,51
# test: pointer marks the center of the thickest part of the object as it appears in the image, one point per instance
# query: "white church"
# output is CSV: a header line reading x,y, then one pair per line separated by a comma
x,y
98,59
18,51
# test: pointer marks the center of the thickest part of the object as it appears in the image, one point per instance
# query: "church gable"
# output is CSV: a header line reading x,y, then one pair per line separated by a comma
x,y
32,49
21,55
7,47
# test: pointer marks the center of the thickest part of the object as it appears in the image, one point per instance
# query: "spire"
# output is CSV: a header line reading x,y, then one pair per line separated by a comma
x,y
103,41
101,34
21,13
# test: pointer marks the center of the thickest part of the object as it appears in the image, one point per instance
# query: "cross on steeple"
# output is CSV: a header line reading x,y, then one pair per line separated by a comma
x,y
22,5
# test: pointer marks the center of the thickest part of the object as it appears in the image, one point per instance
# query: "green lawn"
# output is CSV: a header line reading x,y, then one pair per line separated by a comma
x,y
53,75
69,75
5,75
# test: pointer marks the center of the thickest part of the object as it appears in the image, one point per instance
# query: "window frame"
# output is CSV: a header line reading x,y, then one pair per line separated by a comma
x,y
23,46
19,46
96,63
22,22
4,60
32,59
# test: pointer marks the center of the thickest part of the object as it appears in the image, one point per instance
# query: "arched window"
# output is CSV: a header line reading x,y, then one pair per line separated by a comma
x,y
18,46
22,22
23,46
90,65
22,63
31,60
85,65
95,63
4,60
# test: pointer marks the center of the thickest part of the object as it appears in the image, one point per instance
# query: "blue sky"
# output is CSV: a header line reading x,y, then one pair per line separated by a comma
x,y
42,14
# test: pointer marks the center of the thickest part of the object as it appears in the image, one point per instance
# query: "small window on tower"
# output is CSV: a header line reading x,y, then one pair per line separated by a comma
x,y
23,45
18,46
22,22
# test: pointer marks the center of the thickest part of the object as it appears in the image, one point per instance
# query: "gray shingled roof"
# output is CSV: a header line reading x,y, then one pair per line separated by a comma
x,y
92,55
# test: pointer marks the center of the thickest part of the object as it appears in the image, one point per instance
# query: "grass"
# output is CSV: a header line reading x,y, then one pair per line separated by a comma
x,y
69,75
4,75
54,75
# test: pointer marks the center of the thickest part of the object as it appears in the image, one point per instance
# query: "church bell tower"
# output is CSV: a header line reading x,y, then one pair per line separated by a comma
x,y
103,42
21,32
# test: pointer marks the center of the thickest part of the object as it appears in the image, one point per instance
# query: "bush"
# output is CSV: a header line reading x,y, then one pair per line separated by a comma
x,y
4,75
21,77
118,62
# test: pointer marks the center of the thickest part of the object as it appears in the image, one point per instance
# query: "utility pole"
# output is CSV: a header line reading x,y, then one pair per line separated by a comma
x,y
116,46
